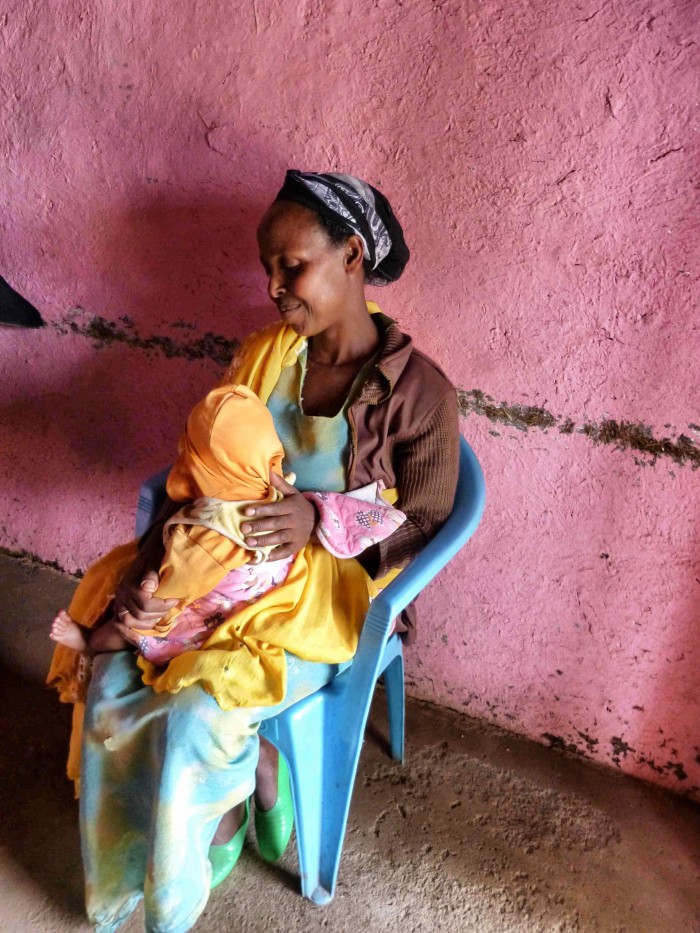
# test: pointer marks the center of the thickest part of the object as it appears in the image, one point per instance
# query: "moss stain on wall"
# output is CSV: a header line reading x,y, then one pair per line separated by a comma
x,y
104,333
625,435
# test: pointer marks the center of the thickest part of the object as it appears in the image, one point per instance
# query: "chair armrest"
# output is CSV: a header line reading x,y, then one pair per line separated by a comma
x,y
358,681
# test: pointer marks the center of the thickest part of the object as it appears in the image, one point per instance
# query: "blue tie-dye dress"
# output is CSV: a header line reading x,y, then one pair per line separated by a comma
x,y
160,770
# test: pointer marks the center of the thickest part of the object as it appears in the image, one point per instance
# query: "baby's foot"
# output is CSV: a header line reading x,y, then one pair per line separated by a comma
x,y
67,632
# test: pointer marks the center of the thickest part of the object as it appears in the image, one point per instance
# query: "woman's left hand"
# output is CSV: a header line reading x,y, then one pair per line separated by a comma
x,y
290,521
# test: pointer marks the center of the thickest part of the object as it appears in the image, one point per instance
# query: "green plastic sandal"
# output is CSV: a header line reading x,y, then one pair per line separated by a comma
x,y
274,827
224,857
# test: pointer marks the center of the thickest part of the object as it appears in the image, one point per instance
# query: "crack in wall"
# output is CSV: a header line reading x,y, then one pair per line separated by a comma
x,y
624,435
520,417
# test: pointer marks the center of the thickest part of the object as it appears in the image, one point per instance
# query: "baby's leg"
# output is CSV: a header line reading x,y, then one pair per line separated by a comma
x,y
104,639
107,638
67,632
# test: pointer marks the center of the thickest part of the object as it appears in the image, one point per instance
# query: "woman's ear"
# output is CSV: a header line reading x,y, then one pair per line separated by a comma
x,y
354,254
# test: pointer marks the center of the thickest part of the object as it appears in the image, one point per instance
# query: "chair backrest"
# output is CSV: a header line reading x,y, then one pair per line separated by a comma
x,y
461,524
151,497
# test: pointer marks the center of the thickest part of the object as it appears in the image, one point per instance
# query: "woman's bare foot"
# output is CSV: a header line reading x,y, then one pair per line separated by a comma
x,y
67,632
229,825
265,794
266,776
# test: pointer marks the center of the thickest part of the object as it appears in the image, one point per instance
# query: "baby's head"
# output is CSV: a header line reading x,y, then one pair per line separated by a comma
x,y
231,446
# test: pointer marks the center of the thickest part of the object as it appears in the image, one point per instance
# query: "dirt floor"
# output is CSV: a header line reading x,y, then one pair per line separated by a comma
x,y
479,831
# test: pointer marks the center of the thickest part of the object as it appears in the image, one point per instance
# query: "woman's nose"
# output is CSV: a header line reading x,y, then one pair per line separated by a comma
x,y
275,285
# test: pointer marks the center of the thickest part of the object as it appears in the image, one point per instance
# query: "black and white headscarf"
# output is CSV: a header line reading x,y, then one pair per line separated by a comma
x,y
361,209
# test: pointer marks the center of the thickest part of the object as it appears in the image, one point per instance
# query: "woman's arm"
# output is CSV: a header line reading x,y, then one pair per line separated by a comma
x,y
427,470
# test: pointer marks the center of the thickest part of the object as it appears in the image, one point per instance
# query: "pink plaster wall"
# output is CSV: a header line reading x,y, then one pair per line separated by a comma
x,y
543,157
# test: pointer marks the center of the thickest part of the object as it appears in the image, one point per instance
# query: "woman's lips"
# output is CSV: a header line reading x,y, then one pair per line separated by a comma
x,y
286,310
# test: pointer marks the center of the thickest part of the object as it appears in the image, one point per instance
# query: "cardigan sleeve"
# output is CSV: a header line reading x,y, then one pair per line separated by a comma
x,y
426,469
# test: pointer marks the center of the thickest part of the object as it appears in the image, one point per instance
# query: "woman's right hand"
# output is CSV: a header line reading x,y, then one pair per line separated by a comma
x,y
135,605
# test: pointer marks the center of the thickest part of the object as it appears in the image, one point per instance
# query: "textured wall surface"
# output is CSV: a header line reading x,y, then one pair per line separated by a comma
x,y
543,157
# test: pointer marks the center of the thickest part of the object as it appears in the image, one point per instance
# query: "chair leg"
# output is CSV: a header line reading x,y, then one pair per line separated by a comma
x,y
301,743
323,776
394,685
321,737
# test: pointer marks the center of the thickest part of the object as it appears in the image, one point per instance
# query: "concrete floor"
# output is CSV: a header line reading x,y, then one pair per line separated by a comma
x,y
479,831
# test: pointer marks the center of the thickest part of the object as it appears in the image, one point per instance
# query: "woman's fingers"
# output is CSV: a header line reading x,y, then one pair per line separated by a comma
x,y
280,483
143,610
287,523
279,553
266,524
284,536
149,584
139,619
283,507
272,517
130,612
136,606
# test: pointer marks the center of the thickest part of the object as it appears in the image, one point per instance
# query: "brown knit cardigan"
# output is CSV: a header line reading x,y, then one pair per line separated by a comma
x,y
405,431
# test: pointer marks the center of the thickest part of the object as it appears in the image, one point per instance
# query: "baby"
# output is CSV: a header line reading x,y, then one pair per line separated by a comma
x,y
225,458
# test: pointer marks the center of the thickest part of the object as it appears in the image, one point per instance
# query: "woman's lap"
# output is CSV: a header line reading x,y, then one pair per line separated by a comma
x,y
158,772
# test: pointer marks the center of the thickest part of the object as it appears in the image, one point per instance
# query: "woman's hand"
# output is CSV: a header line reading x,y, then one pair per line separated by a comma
x,y
135,606
290,521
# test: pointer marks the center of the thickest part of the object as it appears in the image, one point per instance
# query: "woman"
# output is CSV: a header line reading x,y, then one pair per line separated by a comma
x,y
166,772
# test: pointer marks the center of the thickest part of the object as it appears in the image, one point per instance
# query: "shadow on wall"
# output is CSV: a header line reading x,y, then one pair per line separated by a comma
x,y
185,264
651,646
667,742
173,270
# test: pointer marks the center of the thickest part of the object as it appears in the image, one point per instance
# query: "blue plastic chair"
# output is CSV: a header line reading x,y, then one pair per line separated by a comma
x,y
321,737
151,497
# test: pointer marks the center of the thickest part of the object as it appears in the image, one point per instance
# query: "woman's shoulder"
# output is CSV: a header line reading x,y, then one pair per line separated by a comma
x,y
410,366
263,335
254,346
432,371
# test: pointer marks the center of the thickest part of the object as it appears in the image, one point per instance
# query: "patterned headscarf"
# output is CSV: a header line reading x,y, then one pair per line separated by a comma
x,y
361,209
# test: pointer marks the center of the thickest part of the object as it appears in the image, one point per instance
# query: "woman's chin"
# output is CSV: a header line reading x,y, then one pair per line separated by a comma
x,y
299,324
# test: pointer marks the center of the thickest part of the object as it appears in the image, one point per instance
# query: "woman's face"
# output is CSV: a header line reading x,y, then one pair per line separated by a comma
x,y
309,278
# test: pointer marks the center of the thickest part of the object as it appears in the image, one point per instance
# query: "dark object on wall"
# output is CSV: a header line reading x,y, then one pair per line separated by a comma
x,y
15,310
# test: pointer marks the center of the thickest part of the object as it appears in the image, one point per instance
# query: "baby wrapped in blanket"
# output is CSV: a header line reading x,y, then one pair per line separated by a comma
x,y
225,459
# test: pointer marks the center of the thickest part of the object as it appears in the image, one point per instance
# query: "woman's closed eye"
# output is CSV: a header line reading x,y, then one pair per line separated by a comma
x,y
291,268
